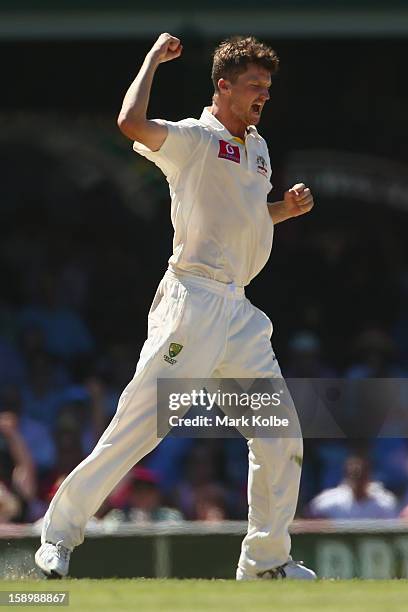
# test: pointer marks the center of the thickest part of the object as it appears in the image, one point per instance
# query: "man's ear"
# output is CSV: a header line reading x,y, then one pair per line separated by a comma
x,y
224,87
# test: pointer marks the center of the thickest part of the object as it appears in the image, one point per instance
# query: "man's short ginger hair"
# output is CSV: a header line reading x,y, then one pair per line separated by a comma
x,y
233,55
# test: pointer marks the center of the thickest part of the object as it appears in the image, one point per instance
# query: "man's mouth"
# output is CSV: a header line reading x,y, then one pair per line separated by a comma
x,y
256,109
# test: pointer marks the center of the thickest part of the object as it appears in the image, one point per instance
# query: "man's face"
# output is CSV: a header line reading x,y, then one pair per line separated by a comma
x,y
249,93
357,475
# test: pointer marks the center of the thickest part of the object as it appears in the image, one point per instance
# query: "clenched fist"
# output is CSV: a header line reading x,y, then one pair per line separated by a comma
x,y
166,48
298,200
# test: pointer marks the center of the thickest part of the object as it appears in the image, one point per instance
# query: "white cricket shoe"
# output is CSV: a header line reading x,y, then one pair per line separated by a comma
x,y
293,570
53,559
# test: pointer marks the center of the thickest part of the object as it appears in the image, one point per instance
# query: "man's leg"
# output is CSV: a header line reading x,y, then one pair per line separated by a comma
x,y
273,485
274,463
177,315
129,437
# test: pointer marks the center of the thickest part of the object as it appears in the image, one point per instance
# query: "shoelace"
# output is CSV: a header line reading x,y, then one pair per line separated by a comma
x,y
62,551
278,572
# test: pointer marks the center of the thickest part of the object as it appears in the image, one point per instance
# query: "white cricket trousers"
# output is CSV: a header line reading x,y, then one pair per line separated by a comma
x,y
224,336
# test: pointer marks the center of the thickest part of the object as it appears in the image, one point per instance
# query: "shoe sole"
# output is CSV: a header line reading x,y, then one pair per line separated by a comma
x,y
52,575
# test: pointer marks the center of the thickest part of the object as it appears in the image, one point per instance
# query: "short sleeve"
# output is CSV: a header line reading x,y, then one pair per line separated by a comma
x,y
268,162
182,141
269,167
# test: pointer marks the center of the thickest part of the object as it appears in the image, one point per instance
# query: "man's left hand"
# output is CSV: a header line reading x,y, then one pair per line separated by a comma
x,y
298,200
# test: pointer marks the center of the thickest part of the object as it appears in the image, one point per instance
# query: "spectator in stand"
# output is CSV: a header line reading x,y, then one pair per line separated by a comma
x,y
41,397
305,357
141,500
210,503
110,375
168,460
17,470
306,361
404,505
201,495
36,435
65,332
374,356
235,468
82,406
69,453
31,344
10,505
356,497
390,461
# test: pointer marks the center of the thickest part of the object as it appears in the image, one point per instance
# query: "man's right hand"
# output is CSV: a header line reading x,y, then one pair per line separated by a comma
x,y
132,119
166,48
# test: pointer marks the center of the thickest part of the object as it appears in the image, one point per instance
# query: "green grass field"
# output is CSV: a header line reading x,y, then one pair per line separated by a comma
x,y
221,596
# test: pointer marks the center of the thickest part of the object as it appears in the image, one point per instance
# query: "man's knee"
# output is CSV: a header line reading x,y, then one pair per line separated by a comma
x,y
283,448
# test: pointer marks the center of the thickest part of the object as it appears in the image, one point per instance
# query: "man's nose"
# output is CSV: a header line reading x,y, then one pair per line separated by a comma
x,y
265,95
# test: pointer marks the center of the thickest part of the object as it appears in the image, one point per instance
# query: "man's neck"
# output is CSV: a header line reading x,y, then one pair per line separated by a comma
x,y
231,123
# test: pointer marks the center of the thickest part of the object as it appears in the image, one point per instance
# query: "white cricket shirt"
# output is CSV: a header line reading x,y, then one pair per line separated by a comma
x,y
218,188
340,503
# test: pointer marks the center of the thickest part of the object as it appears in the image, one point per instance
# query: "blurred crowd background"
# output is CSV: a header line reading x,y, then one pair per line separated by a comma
x,y
85,236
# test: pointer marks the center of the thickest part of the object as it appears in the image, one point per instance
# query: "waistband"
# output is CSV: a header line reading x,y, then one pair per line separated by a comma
x,y
228,290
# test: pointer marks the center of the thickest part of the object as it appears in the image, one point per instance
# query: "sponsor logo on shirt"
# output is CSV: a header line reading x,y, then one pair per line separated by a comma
x,y
261,165
174,350
229,151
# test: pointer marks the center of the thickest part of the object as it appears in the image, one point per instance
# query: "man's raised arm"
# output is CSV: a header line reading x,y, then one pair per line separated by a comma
x,y
132,119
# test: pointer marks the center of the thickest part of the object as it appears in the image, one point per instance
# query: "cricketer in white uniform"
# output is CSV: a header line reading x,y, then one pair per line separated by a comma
x,y
200,324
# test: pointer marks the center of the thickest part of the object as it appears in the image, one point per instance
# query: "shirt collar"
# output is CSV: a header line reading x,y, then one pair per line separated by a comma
x,y
207,118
